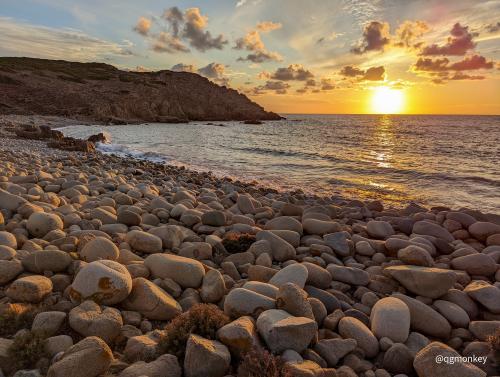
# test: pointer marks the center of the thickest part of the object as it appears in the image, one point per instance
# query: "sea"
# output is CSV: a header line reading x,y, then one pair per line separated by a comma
x,y
433,160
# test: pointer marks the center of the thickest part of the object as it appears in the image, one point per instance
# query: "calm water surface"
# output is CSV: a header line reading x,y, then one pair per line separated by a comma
x,y
434,160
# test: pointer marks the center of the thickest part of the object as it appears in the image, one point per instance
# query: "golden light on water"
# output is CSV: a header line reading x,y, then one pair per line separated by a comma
x,y
386,100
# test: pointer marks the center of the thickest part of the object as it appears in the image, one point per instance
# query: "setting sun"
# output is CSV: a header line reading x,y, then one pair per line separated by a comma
x,y
387,101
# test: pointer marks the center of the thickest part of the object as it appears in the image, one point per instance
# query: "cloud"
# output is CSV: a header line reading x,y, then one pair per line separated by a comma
x,y
294,72
279,87
430,65
194,31
267,26
441,70
371,74
264,75
327,84
472,63
408,32
181,67
469,63
462,76
492,28
215,72
181,28
460,41
143,26
24,39
165,42
330,37
376,37
252,42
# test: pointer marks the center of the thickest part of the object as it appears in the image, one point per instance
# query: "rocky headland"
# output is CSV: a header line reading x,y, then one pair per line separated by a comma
x,y
101,92
114,267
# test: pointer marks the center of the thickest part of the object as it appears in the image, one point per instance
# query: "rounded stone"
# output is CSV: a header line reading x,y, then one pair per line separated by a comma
x,y
241,301
213,287
457,316
352,328
99,248
31,289
317,276
475,264
151,301
379,229
390,317
8,239
9,269
106,282
90,357
295,273
47,260
186,272
144,242
41,223
89,319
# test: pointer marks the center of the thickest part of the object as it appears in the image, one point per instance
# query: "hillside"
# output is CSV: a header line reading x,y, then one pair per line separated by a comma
x,y
101,92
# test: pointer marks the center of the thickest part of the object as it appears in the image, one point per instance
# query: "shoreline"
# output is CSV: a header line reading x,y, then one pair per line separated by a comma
x,y
140,267
56,122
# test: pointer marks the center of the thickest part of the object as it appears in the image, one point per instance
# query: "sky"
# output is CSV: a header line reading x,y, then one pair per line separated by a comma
x,y
290,56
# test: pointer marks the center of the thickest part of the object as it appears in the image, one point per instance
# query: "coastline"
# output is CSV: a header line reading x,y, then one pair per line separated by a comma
x,y
330,273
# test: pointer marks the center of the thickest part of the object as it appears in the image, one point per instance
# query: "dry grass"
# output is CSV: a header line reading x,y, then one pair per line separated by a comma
x,y
260,363
26,350
238,242
15,317
201,319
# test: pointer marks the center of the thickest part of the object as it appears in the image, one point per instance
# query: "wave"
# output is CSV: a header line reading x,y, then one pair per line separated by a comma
x,y
124,151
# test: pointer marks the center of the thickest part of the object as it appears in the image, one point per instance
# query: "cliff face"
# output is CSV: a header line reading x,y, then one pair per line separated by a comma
x,y
101,92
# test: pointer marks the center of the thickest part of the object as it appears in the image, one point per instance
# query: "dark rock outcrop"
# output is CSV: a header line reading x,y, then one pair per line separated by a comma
x,y
101,92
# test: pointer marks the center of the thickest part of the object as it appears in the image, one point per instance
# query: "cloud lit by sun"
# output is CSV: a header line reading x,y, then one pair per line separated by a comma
x,y
387,100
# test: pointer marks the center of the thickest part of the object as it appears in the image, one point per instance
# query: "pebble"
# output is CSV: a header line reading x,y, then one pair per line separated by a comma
x,y
282,331
295,273
90,357
423,281
144,242
105,281
390,317
41,223
186,272
99,248
151,301
89,319
205,358
426,366
30,289
486,294
352,328
240,302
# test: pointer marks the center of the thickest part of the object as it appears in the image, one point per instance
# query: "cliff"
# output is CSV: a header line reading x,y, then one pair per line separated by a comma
x,y
101,92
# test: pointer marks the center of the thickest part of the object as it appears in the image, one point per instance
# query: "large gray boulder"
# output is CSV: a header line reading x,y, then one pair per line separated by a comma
x,y
281,331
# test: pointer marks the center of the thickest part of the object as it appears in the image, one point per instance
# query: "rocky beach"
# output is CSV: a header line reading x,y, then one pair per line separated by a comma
x,y
121,267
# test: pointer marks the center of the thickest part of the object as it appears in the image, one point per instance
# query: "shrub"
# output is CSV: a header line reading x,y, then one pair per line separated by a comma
x,y
238,242
494,341
201,319
258,362
26,350
15,317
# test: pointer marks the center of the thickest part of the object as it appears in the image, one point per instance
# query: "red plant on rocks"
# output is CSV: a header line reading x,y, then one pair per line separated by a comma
x,y
258,362
201,319
238,242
